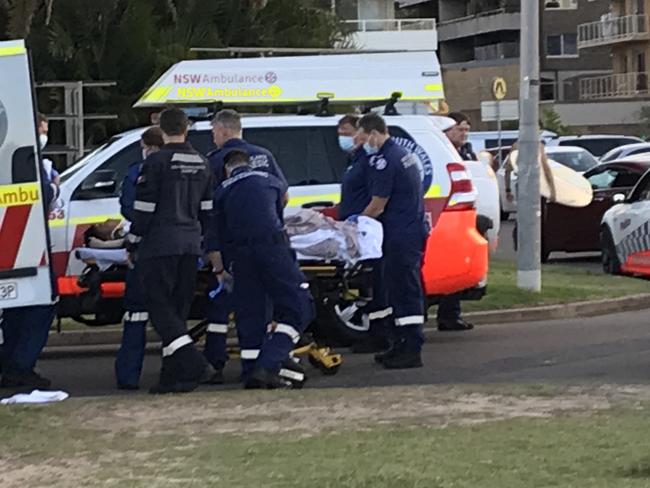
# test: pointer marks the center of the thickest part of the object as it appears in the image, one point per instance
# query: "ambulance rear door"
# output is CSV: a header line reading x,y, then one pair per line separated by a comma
x,y
25,273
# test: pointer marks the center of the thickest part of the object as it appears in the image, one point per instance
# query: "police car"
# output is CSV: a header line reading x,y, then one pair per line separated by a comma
x,y
625,232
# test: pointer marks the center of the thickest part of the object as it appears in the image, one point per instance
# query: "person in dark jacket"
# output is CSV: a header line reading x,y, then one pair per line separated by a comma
x,y
449,309
173,204
128,363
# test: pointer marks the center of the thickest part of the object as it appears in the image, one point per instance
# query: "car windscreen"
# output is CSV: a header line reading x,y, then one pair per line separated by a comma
x,y
577,161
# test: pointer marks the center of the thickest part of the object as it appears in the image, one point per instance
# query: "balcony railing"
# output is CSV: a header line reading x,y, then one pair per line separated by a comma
x,y
624,85
374,25
610,30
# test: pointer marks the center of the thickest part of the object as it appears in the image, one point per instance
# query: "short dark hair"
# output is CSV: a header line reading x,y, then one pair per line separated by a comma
x,y
349,119
236,157
373,121
459,117
153,136
40,118
229,118
174,122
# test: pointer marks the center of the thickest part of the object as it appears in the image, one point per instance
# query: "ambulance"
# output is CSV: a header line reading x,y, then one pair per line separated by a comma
x,y
26,276
305,146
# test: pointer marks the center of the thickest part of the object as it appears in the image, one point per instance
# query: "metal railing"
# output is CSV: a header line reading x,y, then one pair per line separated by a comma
x,y
623,85
612,29
374,25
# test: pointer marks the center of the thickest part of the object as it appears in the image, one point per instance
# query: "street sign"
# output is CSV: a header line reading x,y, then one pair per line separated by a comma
x,y
499,88
500,110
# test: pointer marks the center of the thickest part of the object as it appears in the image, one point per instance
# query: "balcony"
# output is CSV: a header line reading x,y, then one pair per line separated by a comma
x,y
393,34
623,85
612,31
493,21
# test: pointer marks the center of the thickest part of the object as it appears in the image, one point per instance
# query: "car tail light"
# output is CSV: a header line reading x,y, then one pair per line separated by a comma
x,y
463,194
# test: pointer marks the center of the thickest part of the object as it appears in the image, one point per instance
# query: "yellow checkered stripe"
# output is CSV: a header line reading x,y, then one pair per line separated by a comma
x,y
12,50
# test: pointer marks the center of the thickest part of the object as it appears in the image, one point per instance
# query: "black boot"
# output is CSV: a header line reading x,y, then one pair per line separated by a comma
x,y
402,359
215,379
453,325
293,372
28,380
183,371
263,379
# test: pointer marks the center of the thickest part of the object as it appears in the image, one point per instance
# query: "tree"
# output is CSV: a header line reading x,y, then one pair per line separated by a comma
x,y
552,121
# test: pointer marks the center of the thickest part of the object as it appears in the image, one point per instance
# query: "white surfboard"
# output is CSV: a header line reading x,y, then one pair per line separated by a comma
x,y
571,188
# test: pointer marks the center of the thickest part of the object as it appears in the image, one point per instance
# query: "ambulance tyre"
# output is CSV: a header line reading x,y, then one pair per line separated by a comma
x,y
332,330
611,263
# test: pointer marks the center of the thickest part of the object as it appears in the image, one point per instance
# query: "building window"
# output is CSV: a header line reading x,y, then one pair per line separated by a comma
x,y
562,46
561,4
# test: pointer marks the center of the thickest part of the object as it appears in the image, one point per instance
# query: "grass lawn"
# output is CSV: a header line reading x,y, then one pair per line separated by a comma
x,y
560,284
377,438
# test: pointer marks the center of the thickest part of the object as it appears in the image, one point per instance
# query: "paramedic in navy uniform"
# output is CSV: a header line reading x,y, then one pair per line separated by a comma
x,y
227,134
173,204
248,221
397,201
355,197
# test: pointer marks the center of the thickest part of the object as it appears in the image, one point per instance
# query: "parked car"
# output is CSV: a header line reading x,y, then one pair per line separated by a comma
x,y
625,232
576,158
625,151
597,145
572,229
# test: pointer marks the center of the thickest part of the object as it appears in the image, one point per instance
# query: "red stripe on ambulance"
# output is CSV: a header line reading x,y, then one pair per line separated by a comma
x,y
11,234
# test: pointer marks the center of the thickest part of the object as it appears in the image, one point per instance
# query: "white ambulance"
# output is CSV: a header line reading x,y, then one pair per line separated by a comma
x,y
25,271
305,146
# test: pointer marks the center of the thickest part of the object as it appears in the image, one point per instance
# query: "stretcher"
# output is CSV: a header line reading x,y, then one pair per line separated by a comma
x,y
96,298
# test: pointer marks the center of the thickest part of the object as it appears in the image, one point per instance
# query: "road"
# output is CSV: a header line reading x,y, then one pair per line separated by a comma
x,y
610,349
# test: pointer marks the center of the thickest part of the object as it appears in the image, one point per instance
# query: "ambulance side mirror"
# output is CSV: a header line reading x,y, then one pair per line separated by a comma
x,y
99,184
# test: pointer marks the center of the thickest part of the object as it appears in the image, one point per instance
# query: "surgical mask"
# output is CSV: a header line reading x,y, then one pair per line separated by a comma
x,y
346,143
370,150
42,140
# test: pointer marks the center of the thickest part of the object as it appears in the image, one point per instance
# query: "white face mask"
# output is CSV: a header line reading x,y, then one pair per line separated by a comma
x,y
42,140
346,143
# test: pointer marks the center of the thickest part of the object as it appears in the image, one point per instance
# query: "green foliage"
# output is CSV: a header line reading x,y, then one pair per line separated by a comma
x,y
551,121
134,41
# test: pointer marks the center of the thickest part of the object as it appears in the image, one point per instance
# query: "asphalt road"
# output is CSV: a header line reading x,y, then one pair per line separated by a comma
x,y
610,349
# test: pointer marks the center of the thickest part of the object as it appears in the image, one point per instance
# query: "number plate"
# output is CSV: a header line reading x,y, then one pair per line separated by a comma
x,y
8,291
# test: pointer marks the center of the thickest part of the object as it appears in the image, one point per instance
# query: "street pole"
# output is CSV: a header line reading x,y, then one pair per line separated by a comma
x,y
529,274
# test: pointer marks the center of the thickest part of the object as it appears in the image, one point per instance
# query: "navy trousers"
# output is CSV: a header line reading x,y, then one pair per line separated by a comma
x,y
403,255
130,356
271,271
449,308
219,309
25,332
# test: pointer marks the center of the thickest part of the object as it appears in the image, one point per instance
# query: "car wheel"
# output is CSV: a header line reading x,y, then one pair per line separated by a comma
x,y
611,263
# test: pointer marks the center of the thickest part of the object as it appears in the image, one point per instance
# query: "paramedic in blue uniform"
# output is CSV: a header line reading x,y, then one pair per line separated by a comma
x,y
355,197
128,363
25,330
173,203
249,223
449,306
397,201
227,136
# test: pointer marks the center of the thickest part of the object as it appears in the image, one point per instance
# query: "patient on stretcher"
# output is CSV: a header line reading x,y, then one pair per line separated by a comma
x,y
105,244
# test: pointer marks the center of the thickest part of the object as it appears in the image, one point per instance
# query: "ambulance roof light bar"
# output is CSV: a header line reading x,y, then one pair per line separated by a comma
x,y
271,51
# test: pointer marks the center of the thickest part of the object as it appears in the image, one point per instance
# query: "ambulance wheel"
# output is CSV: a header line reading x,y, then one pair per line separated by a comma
x,y
611,263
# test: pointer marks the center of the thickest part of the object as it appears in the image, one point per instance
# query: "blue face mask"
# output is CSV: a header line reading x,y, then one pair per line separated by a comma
x,y
346,143
370,150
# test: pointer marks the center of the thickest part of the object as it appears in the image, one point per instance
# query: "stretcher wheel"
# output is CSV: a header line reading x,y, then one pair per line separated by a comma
x,y
323,359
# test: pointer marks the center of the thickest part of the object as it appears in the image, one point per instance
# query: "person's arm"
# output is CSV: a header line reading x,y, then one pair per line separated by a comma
x,y
147,195
381,188
207,204
376,207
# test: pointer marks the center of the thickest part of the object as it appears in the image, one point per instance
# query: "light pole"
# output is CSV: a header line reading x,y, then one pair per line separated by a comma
x,y
529,274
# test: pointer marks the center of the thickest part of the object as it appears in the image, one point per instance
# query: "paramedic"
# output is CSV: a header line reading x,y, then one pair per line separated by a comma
x,y
355,197
397,201
128,363
173,201
449,306
227,135
249,222
25,330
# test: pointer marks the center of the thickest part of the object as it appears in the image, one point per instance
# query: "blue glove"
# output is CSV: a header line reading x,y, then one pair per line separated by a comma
x,y
212,294
353,218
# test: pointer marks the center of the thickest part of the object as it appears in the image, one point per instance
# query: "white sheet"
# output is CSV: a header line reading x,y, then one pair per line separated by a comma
x,y
104,258
36,396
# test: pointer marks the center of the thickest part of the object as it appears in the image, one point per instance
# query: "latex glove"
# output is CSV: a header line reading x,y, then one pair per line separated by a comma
x,y
353,218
